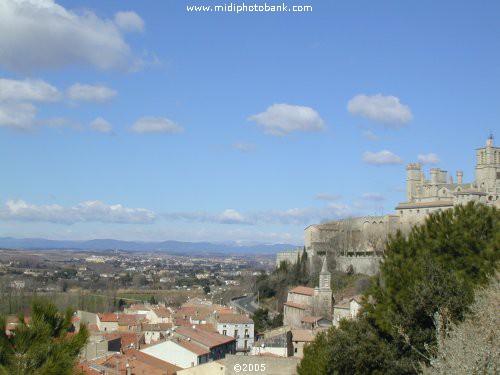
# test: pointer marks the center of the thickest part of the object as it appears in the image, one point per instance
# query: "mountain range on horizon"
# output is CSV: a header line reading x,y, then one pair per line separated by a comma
x,y
163,246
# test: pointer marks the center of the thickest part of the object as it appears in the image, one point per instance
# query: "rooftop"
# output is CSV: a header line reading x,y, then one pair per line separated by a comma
x,y
296,305
234,318
206,338
303,290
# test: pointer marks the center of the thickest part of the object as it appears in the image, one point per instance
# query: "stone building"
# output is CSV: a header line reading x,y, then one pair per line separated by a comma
x,y
358,242
303,302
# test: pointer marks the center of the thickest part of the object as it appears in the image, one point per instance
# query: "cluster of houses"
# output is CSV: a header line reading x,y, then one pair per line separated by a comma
x,y
199,337
157,339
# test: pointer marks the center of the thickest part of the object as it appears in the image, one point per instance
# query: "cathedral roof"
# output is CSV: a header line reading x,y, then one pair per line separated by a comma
x,y
443,203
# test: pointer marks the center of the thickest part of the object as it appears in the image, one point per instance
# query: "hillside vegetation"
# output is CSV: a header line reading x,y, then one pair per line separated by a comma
x,y
435,269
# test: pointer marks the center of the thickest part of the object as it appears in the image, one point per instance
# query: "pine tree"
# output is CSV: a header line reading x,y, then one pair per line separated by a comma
x,y
43,346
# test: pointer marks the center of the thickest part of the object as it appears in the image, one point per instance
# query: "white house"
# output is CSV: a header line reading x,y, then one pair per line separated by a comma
x,y
159,315
107,322
240,327
182,353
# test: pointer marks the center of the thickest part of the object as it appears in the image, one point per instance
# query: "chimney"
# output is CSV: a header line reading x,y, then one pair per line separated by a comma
x,y
460,174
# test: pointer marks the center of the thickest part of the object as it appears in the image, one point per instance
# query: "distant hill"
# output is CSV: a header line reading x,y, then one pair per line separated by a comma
x,y
165,246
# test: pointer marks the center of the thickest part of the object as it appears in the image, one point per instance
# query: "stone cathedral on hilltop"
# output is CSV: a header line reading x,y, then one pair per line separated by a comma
x,y
358,242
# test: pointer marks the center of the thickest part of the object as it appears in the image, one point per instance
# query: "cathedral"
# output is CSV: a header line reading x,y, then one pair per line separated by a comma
x,y
361,239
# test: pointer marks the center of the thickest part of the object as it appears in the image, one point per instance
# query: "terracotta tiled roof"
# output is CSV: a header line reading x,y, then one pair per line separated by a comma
x,y
302,335
193,347
156,327
108,317
162,312
311,319
197,312
84,367
128,319
296,305
206,327
140,363
208,339
234,318
303,290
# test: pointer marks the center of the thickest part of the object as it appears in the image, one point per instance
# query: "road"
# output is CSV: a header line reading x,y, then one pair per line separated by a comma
x,y
246,303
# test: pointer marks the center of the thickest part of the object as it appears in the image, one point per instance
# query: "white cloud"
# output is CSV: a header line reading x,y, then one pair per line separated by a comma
x,y
129,21
383,109
156,125
231,216
383,157
368,134
371,196
40,34
101,125
430,158
27,90
244,147
292,216
82,212
20,116
281,119
90,93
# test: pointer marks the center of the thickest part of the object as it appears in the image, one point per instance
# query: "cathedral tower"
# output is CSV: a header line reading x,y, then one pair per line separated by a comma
x,y
322,301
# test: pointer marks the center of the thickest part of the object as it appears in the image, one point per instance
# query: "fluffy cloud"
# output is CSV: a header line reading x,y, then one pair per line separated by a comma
x,y
16,111
281,119
370,196
129,21
231,216
428,158
29,90
90,93
82,212
40,34
20,116
101,125
156,125
383,157
379,108
293,216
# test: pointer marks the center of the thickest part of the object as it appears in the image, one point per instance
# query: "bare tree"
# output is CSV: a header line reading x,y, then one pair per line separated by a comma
x,y
472,347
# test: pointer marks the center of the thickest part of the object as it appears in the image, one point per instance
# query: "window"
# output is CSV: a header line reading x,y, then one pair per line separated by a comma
x,y
235,333
224,332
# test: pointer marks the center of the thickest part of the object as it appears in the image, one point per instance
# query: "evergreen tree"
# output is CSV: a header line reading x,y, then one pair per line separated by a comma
x,y
436,268
42,346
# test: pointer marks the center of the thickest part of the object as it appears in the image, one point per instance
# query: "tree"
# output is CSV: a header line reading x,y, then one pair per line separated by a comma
x,y
316,356
437,266
473,346
43,346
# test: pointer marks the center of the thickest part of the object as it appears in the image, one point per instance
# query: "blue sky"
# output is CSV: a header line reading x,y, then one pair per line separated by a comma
x,y
139,120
